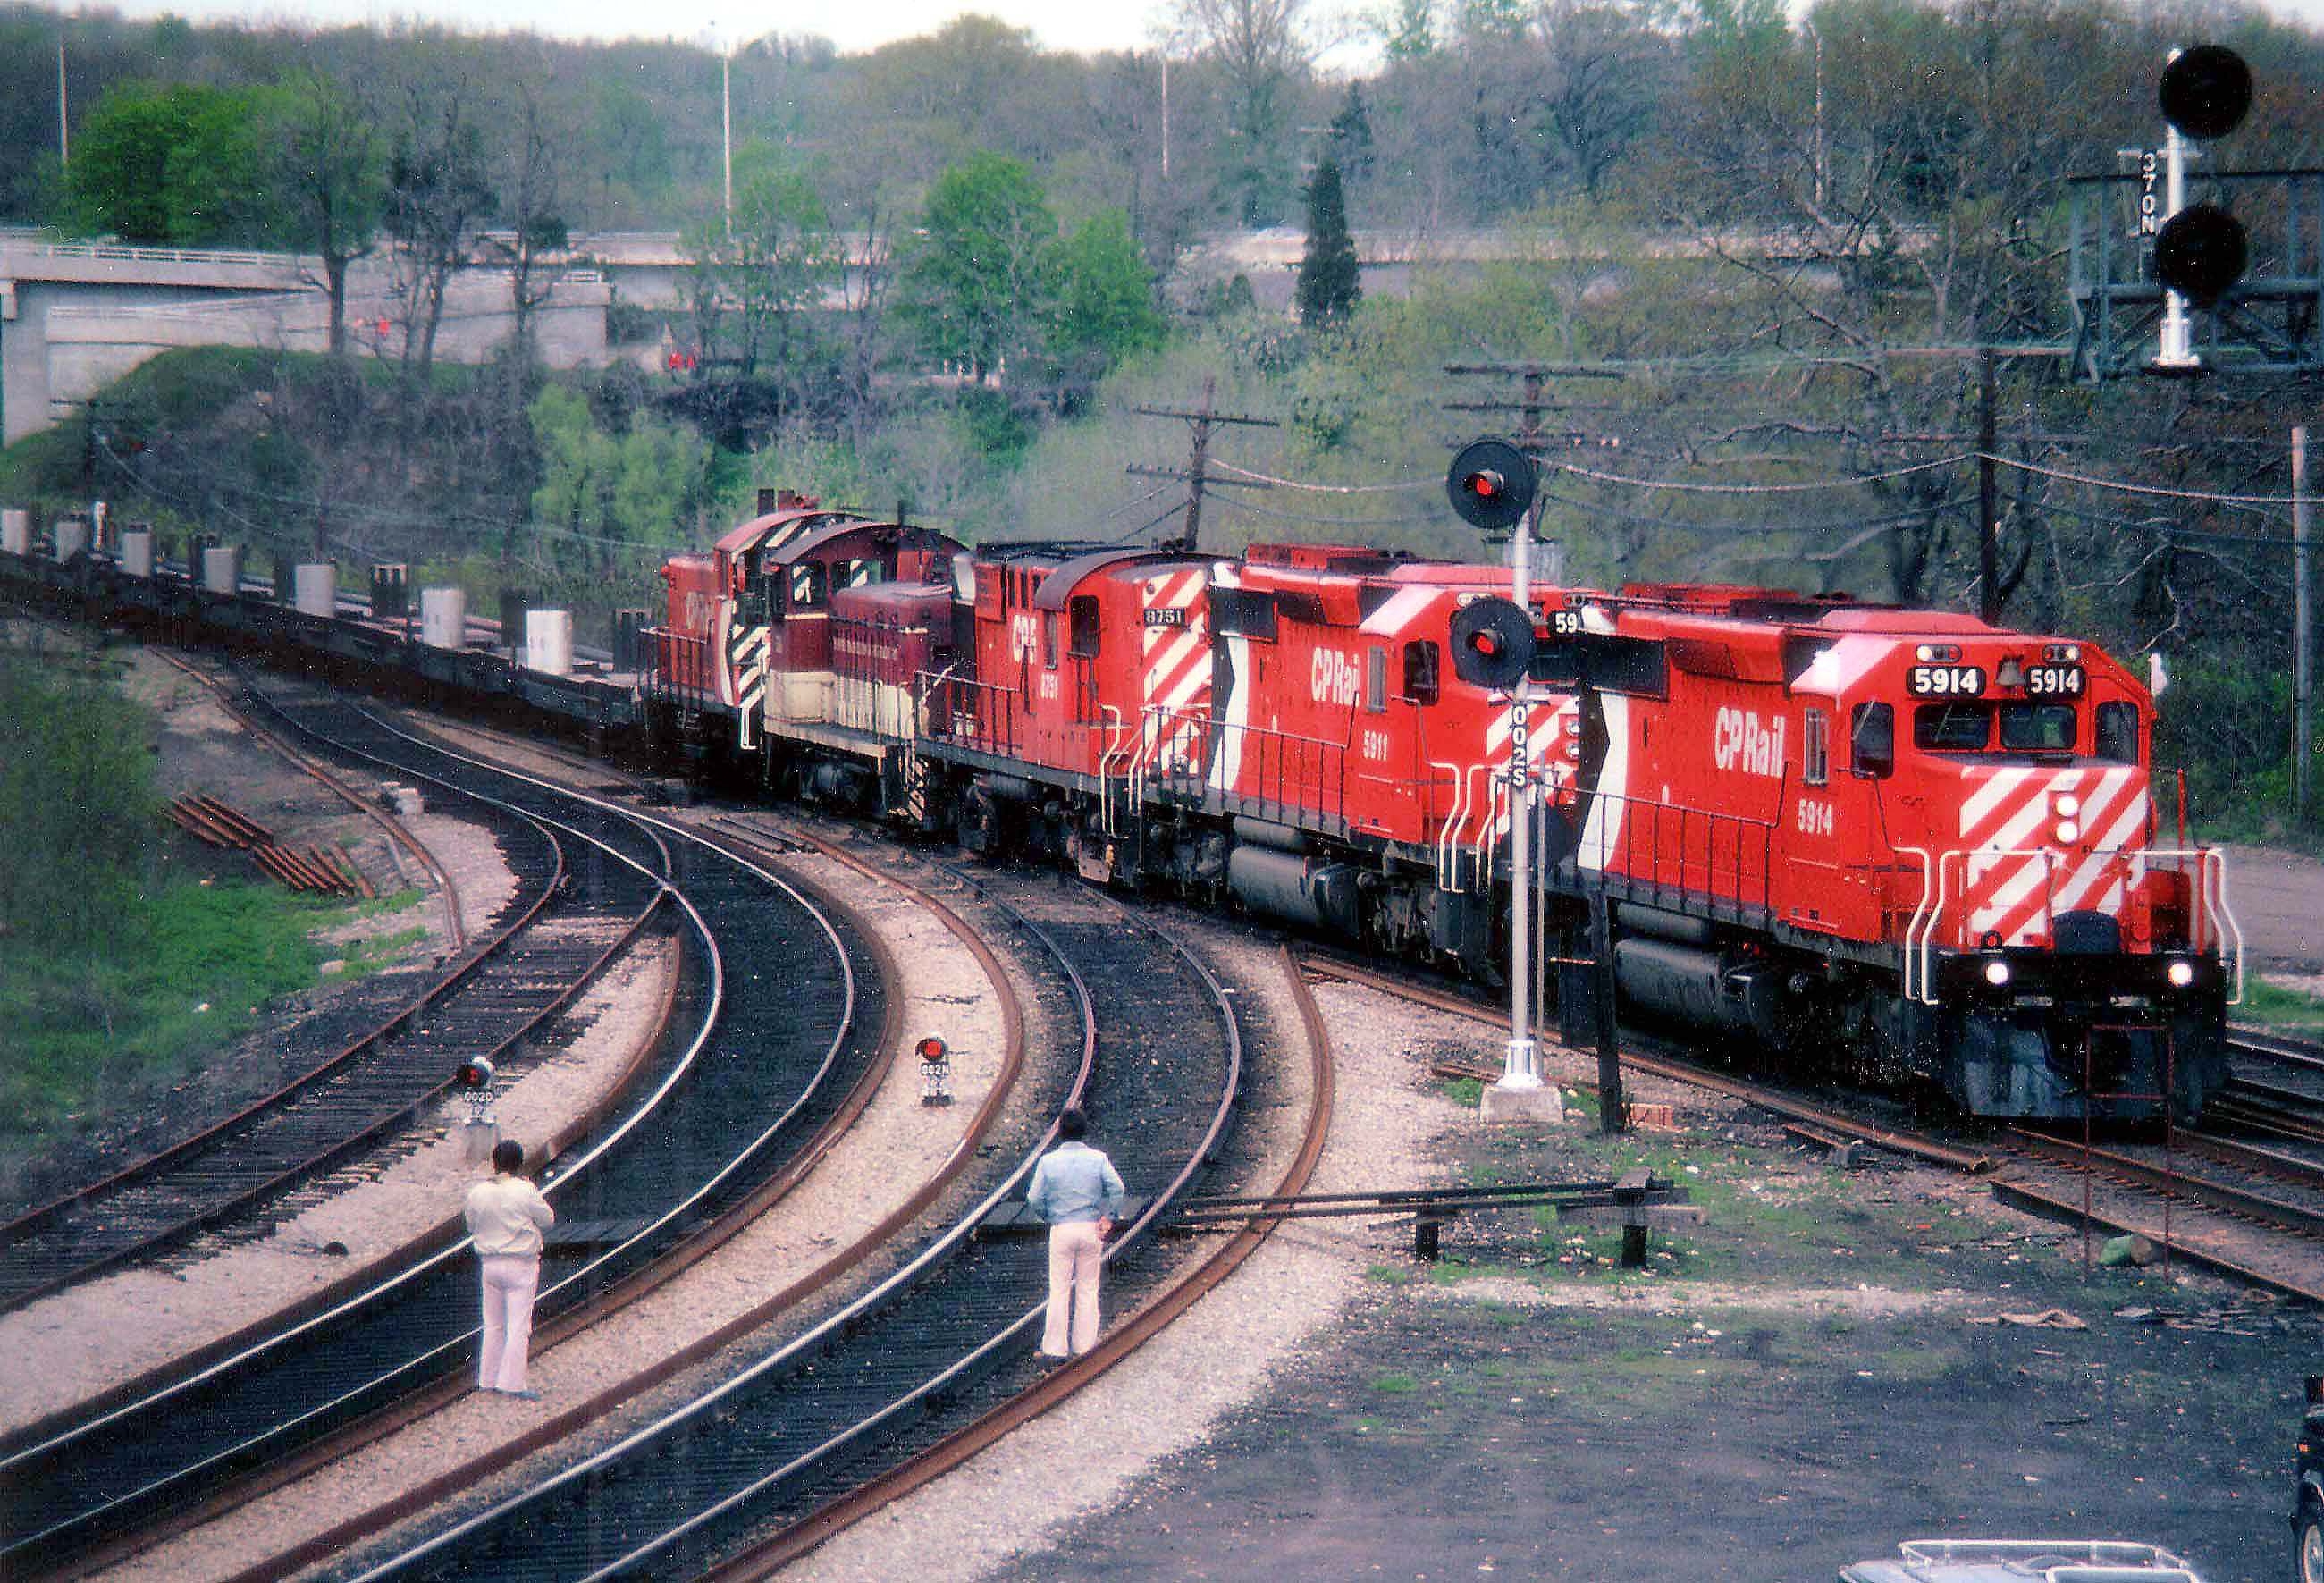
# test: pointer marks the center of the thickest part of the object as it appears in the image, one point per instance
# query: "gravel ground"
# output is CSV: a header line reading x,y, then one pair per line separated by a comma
x,y
895,1147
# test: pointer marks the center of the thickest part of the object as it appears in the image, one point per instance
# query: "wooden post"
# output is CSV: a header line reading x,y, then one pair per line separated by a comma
x,y
1988,555
1613,1111
2303,647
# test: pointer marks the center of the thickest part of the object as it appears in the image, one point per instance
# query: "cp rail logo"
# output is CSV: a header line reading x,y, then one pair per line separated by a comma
x,y
1336,679
1738,741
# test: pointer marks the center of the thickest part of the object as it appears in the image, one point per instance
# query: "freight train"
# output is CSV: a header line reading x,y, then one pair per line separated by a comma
x,y
1843,833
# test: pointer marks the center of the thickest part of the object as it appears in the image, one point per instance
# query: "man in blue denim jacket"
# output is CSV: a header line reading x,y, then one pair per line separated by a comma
x,y
1076,1189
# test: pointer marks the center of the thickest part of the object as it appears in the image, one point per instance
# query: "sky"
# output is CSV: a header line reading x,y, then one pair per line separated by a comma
x,y
853,26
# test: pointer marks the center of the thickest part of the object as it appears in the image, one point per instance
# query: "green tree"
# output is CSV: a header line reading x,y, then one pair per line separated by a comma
x,y
328,176
605,490
772,270
1329,279
975,275
1102,294
171,165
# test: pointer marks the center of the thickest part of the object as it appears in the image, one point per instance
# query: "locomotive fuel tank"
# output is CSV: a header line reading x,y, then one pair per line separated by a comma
x,y
1700,986
1299,890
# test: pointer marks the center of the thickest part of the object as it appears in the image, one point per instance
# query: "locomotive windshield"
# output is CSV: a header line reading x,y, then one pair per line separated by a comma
x,y
1969,728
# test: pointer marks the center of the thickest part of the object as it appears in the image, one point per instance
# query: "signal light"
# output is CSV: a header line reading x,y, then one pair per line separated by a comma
x,y
1492,643
474,1073
2205,91
1491,484
2201,252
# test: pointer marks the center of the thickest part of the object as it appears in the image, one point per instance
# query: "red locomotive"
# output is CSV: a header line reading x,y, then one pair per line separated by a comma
x,y
1828,825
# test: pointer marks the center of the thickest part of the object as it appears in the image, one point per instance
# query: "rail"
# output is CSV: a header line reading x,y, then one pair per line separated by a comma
x,y
1258,772
1940,917
1687,860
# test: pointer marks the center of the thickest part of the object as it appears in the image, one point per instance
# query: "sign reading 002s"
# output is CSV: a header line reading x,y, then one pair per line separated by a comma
x,y
1945,681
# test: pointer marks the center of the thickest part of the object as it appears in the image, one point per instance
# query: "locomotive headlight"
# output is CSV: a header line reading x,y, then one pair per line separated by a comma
x,y
2180,972
1996,973
2069,833
2066,805
1924,652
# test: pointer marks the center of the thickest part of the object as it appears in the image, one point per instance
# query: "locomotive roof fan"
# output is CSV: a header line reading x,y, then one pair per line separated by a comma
x,y
1491,484
1492,643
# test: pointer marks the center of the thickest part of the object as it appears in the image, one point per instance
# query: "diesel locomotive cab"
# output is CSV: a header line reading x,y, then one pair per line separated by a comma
x,y
2061,956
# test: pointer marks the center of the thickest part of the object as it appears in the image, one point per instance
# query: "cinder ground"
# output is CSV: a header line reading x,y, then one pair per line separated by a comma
x,y
1820,1371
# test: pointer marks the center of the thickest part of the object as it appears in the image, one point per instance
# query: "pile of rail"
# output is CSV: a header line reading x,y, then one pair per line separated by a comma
x,y
323,870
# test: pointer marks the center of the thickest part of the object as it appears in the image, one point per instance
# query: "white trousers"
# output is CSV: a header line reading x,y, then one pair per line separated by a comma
x,y
510,1281
1074,1252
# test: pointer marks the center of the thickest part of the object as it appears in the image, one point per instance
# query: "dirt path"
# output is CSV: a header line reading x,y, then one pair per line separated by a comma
x,y
2278,898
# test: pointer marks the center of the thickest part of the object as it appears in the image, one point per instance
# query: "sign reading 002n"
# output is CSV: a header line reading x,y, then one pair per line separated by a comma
x,y
1945,681
2055,681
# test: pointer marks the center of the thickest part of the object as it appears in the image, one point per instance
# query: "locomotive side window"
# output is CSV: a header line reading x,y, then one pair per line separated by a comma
x,y
1420,673
1082,628
1815,749
806,586
1952,728
860,573
1872,737
2037,728
1376,681
1048,639
2118,735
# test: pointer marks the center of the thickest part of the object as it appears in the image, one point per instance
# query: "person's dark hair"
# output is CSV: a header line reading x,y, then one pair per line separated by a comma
x,y
1072,1125
508,1155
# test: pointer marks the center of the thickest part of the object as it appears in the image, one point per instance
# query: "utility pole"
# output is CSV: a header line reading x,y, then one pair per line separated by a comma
x,y
1988,553
726,130
1530,437
64,136
2303,647
1197,473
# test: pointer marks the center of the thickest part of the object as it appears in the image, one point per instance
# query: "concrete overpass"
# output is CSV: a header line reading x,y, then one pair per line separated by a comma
x,y
74,317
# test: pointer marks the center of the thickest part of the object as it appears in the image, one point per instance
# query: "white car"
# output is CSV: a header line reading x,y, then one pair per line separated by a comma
x,y
2018,1560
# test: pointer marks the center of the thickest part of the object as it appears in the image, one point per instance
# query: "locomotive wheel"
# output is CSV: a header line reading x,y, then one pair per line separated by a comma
x,y
2308,1543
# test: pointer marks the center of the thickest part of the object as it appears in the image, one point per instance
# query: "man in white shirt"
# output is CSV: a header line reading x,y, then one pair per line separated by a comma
x,y
506,1218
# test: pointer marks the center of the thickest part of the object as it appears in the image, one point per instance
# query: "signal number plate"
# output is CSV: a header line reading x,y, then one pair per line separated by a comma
x,y
2055,681
1946,681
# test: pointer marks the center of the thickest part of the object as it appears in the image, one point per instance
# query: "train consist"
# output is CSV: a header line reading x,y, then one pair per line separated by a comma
x,y
1848,834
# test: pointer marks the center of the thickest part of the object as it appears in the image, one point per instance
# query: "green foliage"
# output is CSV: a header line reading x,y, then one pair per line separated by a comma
x,y
1101,295
179,165
76,801
766,272
634,488
972,275
2267,1004
112,969
1329,276
2228,726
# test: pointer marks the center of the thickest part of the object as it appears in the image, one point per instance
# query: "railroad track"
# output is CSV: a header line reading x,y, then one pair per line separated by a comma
x,y
941,1343
756,1062
2222,1220
568,918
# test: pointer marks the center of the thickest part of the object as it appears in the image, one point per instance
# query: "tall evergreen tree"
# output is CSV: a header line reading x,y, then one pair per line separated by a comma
x,y
1329,285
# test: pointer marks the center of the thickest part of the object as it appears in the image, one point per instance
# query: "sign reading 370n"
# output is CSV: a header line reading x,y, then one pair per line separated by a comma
x,y
1945,681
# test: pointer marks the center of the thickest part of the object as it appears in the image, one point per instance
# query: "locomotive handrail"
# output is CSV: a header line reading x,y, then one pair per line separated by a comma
x,y
2209,929
1447,878
1105,771
1914,928
2211,855
1714,822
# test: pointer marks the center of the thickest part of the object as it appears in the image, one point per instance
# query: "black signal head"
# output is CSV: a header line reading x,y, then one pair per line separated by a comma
x,y
1491,482
1492,643
2200,252
2205,91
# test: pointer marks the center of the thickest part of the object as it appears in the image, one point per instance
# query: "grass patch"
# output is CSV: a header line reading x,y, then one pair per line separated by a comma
x,y
179,979
370,953
1396,1384
1389,1275
1464,1091
2274,1006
